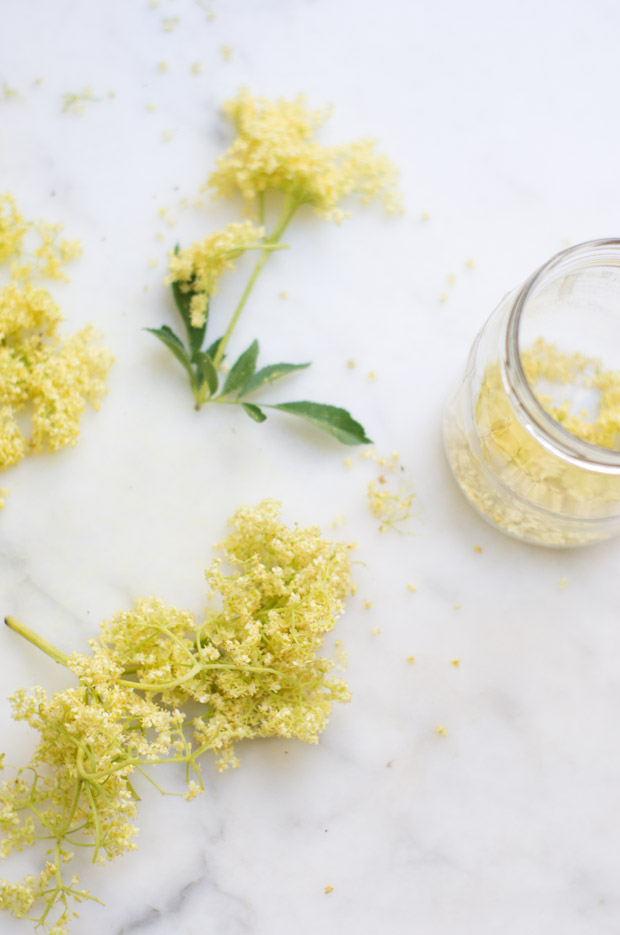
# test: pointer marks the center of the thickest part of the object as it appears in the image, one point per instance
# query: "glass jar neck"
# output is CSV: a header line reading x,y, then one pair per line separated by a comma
x,y
529,411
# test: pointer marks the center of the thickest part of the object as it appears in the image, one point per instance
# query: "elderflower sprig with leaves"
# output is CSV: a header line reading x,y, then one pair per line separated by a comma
x,y
160,687
273,157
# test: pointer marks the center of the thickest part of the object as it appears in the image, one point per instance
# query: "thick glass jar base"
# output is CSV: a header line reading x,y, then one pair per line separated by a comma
x,y
506,511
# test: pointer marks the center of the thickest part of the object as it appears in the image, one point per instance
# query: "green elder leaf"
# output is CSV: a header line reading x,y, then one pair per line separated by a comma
x,y
174,344
338,422
254,412
182,300
214,348
268,375
242,370
207,371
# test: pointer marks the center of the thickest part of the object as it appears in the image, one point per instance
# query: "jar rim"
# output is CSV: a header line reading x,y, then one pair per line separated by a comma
x,y
535,419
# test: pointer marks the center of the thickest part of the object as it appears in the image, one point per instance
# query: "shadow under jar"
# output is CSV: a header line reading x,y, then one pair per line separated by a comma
x,y
533,433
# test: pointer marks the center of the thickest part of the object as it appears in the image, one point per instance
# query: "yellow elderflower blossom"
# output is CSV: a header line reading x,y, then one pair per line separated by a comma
x,y
441,731
198,268
13,228
544,361
388,506
274,149
53,378
250,669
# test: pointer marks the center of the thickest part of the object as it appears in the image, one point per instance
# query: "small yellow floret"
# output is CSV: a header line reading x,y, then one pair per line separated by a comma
x,y
329,889
441,731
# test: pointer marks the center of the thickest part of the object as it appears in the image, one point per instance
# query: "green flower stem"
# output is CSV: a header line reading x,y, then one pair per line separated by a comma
x,y
56,654
291,205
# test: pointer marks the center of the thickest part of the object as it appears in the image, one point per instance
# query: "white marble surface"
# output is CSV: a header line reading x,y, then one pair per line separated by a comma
x,y
504,121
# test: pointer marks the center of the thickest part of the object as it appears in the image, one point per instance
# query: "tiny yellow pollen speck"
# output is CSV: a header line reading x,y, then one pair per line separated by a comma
x,y
443,297
372,376
159,236
151,107
339,520
226,52
457,607
562,583
455,662
111,95
329,889
351,364
375,631
283,294
478,549
469,264
153,262
196,68
367,605
353,588
441,731
412,587
167,136
163,66
411,660
425,216
348,463
170,23
451,279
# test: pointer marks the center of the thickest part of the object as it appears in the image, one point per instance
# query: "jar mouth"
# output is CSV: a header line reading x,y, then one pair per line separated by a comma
x,y
534,418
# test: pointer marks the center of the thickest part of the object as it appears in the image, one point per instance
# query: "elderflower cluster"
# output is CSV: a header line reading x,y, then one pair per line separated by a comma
x,y
199,267
49,253
53,378
544,361
274,150
390,506
250,669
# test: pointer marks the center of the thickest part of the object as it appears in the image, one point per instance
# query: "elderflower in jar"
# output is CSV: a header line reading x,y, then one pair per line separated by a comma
x,y
533,433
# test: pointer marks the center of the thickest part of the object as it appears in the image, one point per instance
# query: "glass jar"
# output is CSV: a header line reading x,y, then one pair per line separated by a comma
x,y
559,335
